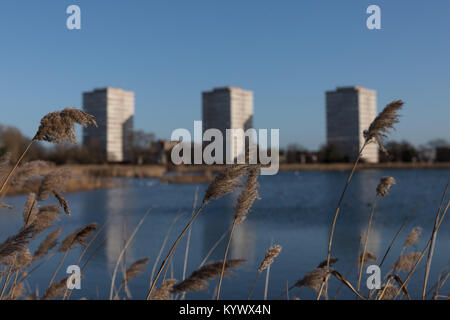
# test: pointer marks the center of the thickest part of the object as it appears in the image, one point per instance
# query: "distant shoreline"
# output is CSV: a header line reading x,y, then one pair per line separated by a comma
x,y
91,177
159,171
362,166
162,172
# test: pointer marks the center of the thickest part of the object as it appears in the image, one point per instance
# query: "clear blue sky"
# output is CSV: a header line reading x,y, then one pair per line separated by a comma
x,y
288,52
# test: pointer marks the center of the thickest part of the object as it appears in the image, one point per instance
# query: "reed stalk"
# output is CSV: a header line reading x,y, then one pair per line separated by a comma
x,y
6,283
82,255
214,246
336,213
377,130
253,286
188,241
266,287
122,252
366,240
225,259
441,219
172,249
58,267
432,244
396,236
13,169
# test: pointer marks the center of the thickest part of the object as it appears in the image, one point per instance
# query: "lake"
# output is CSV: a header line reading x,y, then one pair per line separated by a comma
x,y
295,211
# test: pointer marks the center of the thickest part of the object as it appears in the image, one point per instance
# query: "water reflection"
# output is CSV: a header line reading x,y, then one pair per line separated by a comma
x,y
112,206
216,221
244,243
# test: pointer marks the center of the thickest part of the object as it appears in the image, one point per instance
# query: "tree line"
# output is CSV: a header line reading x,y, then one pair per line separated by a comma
x,y
146,149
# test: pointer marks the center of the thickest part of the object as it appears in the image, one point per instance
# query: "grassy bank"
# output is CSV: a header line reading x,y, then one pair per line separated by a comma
x,y
90,177
160,171
80,183
362,166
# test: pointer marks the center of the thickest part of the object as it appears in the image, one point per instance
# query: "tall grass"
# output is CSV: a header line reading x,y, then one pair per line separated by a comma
x,y
17,263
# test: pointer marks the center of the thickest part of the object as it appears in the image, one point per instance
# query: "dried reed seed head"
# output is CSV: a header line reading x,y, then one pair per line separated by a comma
x,y
27,172
369,256
225,182
383,123
384,186
248,195
163,292
271,254
31,296
190,284
45,217
57,289
8,261
62,202
390,291
413,236
197,281
214,269
15,244
406,262
17,291
324,262
77,237
30,209
55,181
24,258
313,279
135,269
59,126
47,244
49,208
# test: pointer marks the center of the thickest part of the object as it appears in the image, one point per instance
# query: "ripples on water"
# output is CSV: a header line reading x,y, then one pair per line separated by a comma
x,y
295,211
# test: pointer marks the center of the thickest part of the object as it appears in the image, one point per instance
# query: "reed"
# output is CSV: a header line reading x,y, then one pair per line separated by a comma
x,y
188,240
433,242
245,201
78,237
382,190
50,241
133,271
395,237
122,252
440,220
378,129
198,280
55,127
16,258
269,258
224,183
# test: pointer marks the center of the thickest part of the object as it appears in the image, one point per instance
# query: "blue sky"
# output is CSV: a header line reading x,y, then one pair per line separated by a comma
x,y
288,52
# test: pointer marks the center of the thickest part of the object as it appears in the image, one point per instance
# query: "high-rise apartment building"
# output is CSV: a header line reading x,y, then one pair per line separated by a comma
x,y
113,109
228,108
350,111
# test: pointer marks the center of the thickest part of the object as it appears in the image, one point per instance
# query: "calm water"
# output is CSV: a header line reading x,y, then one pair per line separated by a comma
x,y
295,211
